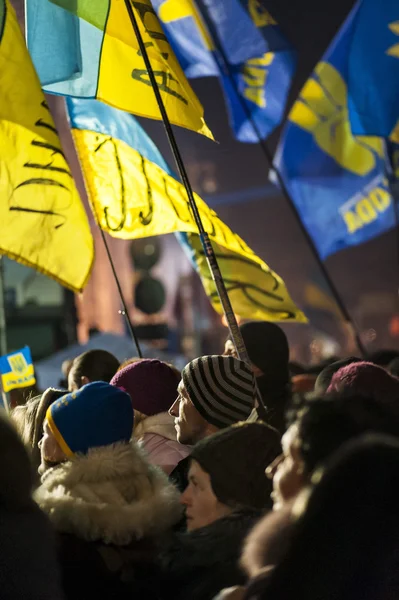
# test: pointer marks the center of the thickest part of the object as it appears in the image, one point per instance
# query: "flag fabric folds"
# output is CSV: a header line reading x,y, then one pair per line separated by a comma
x,y
104,58
134,194
336,180
240,43
43,221
373,78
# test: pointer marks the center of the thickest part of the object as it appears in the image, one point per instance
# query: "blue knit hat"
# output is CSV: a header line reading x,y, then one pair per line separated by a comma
x,y
96,415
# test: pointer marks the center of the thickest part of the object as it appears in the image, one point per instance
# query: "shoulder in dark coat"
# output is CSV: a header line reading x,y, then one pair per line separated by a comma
x,y
198,564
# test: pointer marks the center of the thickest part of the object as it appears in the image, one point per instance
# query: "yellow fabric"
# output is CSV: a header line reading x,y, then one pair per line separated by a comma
x,y
254,290
43,223
56,433
133,198
17,379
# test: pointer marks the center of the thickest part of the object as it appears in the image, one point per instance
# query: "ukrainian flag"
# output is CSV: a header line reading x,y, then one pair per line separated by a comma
x,y
134,194
241,44
336,180
373,79
90,50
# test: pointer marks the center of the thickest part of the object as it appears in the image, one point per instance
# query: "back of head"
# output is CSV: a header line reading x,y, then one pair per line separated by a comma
x,y
268,349
222,389
345,545
368,380
94,365
16,474
327,423
151,384
383,357
236,459
323,380
393,367
96,415
29,419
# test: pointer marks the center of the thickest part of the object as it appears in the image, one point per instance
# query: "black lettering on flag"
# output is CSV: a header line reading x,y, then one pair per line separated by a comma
x,y
141,75
122,189
146,219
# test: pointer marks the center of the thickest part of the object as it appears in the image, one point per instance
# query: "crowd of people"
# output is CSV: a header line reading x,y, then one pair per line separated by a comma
x,y
139,481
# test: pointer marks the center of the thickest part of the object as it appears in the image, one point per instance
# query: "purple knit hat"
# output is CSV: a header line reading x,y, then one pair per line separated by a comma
x,y
151,384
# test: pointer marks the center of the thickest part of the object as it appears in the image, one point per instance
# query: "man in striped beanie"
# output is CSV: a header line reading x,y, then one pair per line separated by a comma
x,y
215,392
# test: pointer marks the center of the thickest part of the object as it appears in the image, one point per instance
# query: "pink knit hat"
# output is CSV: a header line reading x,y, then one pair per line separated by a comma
x,y
151,384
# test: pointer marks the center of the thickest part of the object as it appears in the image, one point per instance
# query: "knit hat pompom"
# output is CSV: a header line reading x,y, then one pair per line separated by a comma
x,y
236,459
222,389
96,415
151,384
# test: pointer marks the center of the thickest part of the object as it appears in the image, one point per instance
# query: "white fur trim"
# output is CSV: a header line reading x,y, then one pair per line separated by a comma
x,y
111,494
163,424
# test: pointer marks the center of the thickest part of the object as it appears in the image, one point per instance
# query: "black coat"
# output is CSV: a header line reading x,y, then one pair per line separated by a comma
x,y
198,564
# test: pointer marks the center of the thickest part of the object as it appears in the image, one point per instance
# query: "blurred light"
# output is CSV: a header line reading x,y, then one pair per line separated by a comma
x,y
224,320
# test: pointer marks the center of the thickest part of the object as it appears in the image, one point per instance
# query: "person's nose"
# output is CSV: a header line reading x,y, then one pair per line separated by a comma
x,y
272,468
174,409
185,497
40,443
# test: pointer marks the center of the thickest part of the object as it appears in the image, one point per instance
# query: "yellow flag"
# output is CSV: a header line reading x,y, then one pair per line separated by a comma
x,y
43,223
117,65
255,291
133,197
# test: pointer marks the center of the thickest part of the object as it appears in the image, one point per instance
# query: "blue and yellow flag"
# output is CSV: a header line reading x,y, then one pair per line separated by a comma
x,y
43,223
336,180
240,43
98,57
134,194
17,370
373,76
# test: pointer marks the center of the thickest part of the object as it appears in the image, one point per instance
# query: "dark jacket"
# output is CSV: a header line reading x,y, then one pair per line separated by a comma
x,y
198,564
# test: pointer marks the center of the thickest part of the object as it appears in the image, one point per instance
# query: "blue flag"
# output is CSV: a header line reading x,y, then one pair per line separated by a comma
x,y
373,79
336,181
17,370
239,42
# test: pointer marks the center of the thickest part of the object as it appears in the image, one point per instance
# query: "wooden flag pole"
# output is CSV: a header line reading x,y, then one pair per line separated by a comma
x,y
205,240
333,289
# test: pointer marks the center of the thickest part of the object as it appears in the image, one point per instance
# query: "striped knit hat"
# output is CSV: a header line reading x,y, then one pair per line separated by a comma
x,y
222,389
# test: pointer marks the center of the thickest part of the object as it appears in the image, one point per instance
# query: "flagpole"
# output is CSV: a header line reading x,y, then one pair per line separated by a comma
x,y
3,322
125,311
205,240
334,291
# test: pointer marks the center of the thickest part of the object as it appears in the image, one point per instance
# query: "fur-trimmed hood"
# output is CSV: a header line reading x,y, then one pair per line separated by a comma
x,y
111,494
162,424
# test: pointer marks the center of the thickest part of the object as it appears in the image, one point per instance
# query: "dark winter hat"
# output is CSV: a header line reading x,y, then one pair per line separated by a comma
x,y
267,348
236,459
222,389
96,415
151,384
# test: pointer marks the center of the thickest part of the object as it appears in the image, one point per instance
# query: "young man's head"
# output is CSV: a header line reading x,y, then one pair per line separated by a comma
x,y
227,473
322,428
94,365
215,392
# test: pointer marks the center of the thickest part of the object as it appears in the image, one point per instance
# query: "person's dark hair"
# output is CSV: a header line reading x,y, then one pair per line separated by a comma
x,y
96,365
383,357
345,544
324,378
326,424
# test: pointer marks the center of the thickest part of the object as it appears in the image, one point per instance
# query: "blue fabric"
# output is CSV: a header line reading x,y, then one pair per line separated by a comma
x,y
337,182
255,85
53,41
374,68
96,415
65,49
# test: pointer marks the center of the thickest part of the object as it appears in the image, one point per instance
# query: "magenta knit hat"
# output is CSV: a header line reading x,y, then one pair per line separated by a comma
x,y
369,380
151,384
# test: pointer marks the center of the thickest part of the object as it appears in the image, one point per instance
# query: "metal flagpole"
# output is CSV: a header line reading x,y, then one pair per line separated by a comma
x,y
3,323
334,291
125,311
205,240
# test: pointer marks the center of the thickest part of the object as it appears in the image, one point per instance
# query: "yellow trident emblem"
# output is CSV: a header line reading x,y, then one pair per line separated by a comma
x,y
18,363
